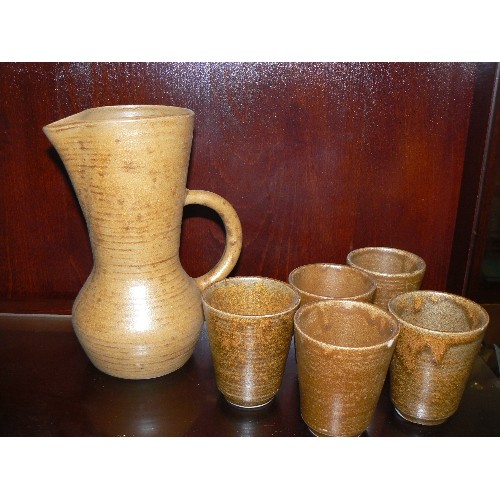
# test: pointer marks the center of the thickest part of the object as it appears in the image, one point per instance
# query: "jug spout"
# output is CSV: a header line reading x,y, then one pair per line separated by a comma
x,y
60,131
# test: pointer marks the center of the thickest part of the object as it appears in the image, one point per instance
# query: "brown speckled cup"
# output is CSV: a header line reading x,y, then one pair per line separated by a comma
x,y
316,282
343,353
395,271
250,325
440,336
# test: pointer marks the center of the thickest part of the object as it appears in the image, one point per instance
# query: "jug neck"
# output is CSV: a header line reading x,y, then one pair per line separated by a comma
x,y
128,166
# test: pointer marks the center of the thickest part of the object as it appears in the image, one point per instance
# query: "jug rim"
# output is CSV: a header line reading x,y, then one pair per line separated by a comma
x,y
121,113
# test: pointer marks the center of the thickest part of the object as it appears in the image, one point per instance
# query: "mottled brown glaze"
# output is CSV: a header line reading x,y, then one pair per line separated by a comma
x,y
343,353
139,314
316,282
441,334
395,271
249,325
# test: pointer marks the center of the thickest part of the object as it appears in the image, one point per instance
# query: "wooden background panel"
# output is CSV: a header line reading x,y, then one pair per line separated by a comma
x,y
316,158
351,155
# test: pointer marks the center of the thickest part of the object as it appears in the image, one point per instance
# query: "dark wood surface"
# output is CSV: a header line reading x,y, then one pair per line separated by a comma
x,y
316,158
48,387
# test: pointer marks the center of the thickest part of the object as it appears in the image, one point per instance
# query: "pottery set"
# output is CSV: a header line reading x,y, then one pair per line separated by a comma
x,y
332,281
343,353
440,336
139,315
249,326
395,271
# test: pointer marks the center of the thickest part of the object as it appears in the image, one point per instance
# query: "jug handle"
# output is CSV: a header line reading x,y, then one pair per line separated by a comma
x,y
232,226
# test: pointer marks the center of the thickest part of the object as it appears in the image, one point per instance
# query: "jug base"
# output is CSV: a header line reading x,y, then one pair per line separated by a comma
x,y
136,371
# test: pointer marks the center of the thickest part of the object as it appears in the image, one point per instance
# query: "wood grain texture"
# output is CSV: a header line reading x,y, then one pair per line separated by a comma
x,y
316,158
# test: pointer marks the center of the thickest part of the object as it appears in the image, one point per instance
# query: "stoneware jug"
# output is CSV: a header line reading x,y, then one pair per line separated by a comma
x,y
138,315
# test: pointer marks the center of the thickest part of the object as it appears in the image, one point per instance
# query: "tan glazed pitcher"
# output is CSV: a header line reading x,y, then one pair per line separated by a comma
x,y
138,315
